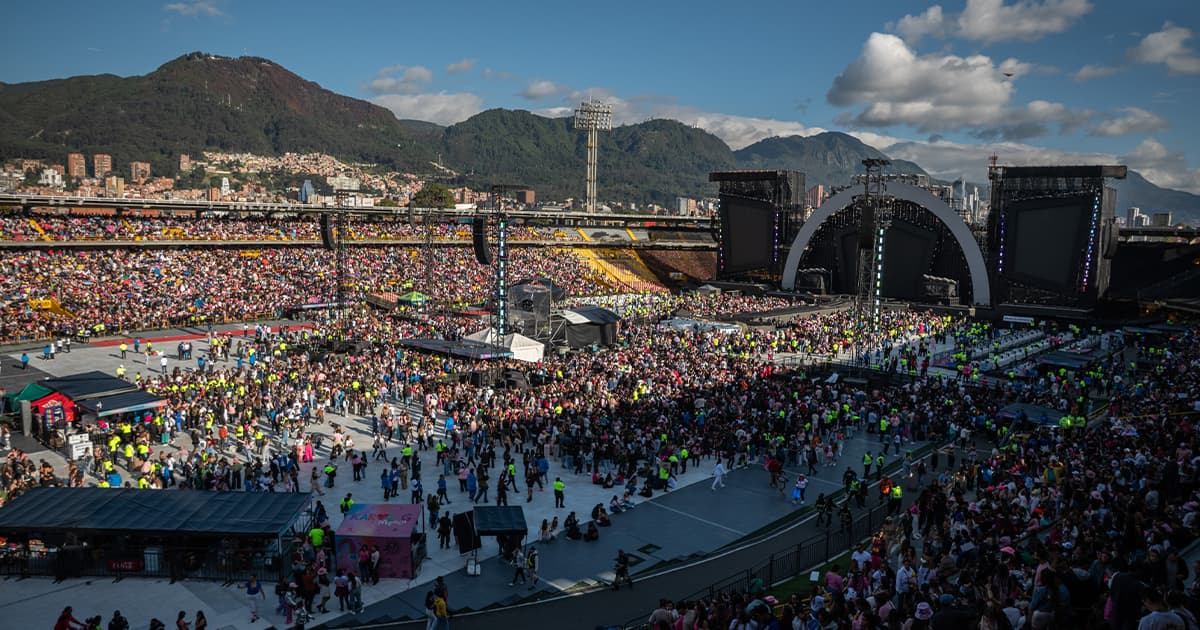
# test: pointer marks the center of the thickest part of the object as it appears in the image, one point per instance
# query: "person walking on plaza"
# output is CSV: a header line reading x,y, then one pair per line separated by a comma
x,y
559,497
718,475
518,567
254,593
124,349
24,361
531,563
621,571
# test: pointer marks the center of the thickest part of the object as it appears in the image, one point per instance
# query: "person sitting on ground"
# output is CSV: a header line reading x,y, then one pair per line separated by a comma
x,y
627,501
600,516
646,491
571,526
614,505
592,534
608,481
545,535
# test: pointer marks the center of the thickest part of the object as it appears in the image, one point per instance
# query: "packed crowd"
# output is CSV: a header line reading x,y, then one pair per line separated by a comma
x,y
23,227
137,289
1076,527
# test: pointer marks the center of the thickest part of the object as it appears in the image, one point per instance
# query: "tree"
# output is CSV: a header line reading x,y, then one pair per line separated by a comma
x,y
433,196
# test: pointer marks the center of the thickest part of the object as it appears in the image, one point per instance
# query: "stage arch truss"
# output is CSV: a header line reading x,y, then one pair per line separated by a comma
x,y
981,294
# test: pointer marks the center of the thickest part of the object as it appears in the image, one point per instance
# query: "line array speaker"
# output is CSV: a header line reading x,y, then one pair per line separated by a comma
x,y
483,250
327,231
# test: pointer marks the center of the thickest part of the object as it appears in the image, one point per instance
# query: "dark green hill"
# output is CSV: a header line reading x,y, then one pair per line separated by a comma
x,y
199,102
651,161
830,158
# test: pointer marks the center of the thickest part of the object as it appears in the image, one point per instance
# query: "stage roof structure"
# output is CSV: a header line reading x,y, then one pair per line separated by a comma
x,y
94,384
463,348
121,403
131,511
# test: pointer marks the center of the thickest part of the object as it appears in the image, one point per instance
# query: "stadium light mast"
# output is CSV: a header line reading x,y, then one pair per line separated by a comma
x,y
593,117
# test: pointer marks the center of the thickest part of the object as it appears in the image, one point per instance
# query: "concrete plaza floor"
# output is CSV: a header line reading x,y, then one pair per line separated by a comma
x,y
687,522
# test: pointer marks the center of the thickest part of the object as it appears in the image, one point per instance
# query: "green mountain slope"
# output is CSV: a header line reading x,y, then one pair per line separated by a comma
x,y
830,158
199,102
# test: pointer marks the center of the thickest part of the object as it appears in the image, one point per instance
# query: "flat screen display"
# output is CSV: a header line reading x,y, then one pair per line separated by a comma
x,y
747,234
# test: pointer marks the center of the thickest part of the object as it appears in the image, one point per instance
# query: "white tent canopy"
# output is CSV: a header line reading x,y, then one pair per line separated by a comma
x,y
522,347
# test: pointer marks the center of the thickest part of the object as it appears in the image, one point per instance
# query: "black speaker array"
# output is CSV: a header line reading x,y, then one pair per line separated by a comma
x,y
483,251
327,232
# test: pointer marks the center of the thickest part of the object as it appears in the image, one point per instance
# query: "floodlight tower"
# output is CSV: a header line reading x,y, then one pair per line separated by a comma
x,y
593,117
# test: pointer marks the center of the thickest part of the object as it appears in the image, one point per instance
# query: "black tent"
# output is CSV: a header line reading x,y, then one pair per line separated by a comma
x,y
85,511
590,326
93,384
122,403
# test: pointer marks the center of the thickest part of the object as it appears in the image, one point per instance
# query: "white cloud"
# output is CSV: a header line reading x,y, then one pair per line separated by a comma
x,y
938,92
950,160
442,108
542,89
1167,47
1158,164
915,27
1091,71
1134,120
460,66
409,81
991,21
207,8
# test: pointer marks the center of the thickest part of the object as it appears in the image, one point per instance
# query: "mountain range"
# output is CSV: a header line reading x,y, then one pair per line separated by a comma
x,y
248,104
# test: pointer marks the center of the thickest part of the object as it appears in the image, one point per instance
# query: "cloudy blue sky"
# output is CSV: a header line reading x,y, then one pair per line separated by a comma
x,y
943,84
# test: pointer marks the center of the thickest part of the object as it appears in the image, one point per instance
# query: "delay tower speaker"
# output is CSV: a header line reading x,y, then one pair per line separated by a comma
x,y
483,251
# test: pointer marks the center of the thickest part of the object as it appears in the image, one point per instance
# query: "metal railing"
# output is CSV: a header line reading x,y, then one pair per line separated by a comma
x,y
782,566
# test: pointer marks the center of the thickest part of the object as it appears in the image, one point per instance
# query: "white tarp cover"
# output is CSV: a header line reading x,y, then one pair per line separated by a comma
x,y
522,347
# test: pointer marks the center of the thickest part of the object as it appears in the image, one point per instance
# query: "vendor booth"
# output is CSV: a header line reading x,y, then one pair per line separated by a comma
x,y
393,528
126,532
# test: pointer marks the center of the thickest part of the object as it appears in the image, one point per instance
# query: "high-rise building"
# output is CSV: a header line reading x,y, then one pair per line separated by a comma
x,y
139,171
114,186
526,197
101,165
76,165
307,191
681,205
1131,215
815,196
214,194
1160,219
51,177
185,163
225,187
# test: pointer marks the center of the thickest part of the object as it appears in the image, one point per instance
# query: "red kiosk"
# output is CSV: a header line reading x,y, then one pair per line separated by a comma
x,y
392,528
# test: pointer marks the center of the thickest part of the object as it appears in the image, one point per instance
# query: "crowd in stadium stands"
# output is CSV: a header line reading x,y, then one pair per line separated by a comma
x,y
54,227
136,289
1080,527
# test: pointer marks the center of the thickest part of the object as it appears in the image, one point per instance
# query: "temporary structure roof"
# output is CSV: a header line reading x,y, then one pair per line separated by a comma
x,y
134,511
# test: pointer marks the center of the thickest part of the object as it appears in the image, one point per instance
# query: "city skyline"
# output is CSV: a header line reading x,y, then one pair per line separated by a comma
x,y
943,85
